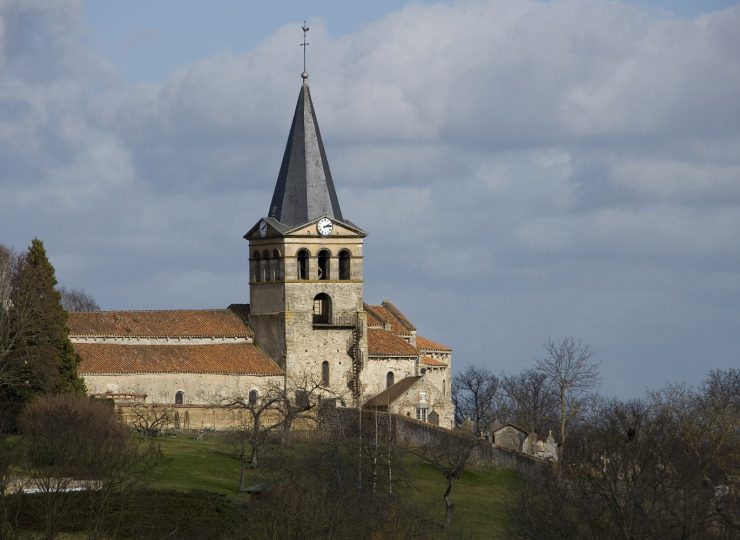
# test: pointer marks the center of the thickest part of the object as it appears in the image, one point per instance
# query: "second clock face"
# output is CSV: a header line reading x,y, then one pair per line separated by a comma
x,y
263,229
324,226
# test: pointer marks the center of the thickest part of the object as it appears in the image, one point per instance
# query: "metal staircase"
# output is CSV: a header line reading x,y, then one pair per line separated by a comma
x,y
358,361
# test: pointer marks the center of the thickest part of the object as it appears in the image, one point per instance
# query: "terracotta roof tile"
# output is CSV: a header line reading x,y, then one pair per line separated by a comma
x,y
429,361
424,344
163,323
392,393
400,317
373,319
232,358
380,315
384,343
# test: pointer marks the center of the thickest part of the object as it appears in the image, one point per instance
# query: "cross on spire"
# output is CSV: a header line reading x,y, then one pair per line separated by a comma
x,y
304,45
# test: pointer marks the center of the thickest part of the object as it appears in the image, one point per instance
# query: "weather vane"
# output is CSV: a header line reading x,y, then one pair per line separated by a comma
x,y
304,45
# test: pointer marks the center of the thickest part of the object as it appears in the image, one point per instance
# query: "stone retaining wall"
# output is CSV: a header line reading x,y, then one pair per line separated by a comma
x,y
408,432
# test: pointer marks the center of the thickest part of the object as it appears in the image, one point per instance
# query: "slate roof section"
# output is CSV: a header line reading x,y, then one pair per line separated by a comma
x,y
384,343
432,362
392,393
304,190
219,358
424,344
193,323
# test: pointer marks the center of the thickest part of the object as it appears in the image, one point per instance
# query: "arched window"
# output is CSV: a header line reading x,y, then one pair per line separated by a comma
x,y
179,397
444,388
303,256
322,309
324,258
389,379
257,265
252,397
344,264
266,265
324,373
276,270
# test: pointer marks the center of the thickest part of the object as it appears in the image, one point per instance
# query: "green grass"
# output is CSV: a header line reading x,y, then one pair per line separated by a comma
x,y
208,465
480,496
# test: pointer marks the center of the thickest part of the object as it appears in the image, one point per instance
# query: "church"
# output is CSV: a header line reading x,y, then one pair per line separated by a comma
x,y
307,316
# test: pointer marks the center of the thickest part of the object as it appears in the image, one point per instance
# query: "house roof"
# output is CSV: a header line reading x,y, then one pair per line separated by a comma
x,y
392,393
226,358
384,343
161,323
496,430
398,315
424,344
387,313
432,362
304,190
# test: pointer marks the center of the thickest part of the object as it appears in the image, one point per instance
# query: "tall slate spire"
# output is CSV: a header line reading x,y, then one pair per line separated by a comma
x,y
304,190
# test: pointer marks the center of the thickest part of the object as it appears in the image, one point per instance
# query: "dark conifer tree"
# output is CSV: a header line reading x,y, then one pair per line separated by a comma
x,y
48,344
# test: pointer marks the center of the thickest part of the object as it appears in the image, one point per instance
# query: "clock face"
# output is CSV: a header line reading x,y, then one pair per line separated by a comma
x,y
324,226
263,229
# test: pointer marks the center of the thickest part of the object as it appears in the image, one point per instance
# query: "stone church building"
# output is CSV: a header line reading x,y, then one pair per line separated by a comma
x,y
307,315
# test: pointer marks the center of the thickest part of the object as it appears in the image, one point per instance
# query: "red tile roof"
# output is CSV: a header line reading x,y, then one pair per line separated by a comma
x,y
231,358
384,343
373,319
379,315
163,323
429,361
424,344
400,317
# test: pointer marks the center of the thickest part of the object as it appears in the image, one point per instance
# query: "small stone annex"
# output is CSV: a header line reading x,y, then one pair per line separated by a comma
x,y
306,318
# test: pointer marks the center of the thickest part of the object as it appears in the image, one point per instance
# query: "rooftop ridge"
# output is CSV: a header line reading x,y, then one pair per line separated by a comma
x,y
387,304
150,310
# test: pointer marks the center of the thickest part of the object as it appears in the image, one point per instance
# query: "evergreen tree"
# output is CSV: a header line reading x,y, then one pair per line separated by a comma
x,y
48,343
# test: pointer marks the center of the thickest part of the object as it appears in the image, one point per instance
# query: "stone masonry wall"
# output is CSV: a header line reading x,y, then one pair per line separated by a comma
x,y
377,368
440,377
407,432
198,388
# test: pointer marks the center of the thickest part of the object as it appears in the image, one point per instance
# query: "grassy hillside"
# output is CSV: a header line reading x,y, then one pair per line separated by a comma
x,y
480,495
190,464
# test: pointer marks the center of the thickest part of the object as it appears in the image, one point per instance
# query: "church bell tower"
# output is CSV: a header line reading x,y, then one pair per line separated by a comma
x,y
305,260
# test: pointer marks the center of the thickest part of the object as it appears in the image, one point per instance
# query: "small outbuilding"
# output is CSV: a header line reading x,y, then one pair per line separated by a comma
x,y
415,397
510,437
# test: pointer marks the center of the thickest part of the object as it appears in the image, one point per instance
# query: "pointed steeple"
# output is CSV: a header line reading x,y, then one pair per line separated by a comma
x,y
304,190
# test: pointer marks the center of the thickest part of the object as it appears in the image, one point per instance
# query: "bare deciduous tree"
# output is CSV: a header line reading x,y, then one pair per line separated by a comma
x,y
299,398
474,393
73,442
7,461
449,454
258,415
570,366
528,401
314,494
278,407
77,300
150,419
664,466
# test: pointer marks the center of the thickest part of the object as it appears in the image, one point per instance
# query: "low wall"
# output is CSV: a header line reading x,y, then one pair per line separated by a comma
x,y
408,432
197,417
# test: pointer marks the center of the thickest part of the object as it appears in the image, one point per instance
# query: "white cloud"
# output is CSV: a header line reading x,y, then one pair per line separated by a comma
x,y
505,156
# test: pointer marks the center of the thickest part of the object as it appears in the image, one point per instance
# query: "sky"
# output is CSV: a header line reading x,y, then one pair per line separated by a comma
x,y
525,169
